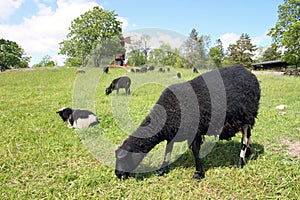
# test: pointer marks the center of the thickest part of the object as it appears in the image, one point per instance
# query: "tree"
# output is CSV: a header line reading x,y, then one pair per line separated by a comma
x,y
215,56
12,55
271,53
241,52
89,30
47,62
216,53
139,51
286,33
105,52
195,49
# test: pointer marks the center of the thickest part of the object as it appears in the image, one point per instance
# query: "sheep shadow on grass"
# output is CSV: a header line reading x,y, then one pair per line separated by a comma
x,y
223,154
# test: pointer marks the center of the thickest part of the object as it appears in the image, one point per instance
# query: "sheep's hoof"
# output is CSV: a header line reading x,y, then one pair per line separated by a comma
x,y
241,163
199,175
162,171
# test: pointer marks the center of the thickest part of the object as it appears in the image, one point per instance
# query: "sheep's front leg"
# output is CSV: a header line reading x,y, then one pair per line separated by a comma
x,y
164,167
199,173
246,144
127,91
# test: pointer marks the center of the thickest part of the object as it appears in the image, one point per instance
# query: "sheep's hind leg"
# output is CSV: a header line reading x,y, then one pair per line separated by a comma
x,y
246,144
164,167
199,173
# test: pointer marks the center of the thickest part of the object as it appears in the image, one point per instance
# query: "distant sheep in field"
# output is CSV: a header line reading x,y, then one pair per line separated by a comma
x,y
178,75
175,119
121,82
161,70
105,69
195,70
78,119
143,70
151,68
132,70
80,71
168,69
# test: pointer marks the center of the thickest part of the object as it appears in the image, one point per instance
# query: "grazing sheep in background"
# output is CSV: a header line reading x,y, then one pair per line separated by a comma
x,y
151,68
174,118
161,70
168,69
137,70
143,70
178,75
195,70
121,82
105,69
80,71
132,70
78,119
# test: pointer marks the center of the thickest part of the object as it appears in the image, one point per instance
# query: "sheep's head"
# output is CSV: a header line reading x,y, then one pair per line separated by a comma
x,y
65,113
108,91
126,161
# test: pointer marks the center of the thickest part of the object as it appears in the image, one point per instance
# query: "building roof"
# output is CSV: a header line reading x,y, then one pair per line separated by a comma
x,y
270,62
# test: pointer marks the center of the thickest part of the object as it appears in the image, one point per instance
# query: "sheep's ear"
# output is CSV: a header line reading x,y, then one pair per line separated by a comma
x,y
120,153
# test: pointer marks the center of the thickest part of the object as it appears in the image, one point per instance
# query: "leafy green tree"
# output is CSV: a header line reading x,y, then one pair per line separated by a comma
x,y
139,51
215,56
73,62
12,55
216,53
241,52
105,52
271,53
89,30
286,33
46,62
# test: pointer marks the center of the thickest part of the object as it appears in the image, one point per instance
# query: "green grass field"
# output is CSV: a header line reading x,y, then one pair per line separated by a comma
x,y
43,159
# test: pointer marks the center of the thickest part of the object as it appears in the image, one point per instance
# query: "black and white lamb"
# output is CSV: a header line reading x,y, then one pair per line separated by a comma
x,y
220,102
121,82
78,119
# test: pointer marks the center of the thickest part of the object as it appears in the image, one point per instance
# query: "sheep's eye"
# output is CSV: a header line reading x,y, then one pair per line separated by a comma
x,y
120,153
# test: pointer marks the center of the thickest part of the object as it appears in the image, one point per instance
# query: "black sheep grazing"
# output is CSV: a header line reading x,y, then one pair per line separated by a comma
x,y
105,69
161,70
221,102
151,68
178,75
121,82
195,70
143,70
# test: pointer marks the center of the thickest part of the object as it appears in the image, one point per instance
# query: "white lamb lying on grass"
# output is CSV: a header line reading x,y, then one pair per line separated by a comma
x,y
78,119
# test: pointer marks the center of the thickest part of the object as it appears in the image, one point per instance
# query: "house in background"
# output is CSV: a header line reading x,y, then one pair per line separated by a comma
x,y
276,65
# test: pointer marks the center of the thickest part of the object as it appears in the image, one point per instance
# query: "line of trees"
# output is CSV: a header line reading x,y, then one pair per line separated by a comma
x,y
95,37
194,52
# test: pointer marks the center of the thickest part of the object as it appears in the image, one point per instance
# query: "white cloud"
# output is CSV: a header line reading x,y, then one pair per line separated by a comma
x,y
229,38
124,21
41,34
262,40
157,35
8,7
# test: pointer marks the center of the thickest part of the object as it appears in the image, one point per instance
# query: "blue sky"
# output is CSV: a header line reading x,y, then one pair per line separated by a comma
x,y
39,25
